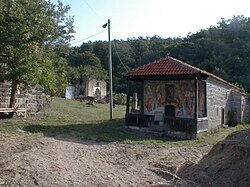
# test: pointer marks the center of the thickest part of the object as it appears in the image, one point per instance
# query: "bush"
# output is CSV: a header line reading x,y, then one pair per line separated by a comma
x,y
120,98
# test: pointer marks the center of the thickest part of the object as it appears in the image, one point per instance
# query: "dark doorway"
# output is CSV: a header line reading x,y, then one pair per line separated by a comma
x,y
169,111
222,116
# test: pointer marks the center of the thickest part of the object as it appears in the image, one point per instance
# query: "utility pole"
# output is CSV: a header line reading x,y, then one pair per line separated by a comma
x,y
110,72
110,76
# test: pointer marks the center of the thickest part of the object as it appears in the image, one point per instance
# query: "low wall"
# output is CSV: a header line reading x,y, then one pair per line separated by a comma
x,y
33,102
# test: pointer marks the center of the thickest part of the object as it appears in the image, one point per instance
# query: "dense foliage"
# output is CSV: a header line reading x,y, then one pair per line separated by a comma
x,y
32,33
223,50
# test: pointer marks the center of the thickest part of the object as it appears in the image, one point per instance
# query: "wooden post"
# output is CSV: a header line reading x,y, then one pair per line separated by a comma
x,y
128,92
135,103
196,102
206,96
142,98
196,98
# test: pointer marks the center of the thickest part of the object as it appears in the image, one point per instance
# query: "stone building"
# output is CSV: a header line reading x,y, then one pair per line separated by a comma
x,y
183,98
87,87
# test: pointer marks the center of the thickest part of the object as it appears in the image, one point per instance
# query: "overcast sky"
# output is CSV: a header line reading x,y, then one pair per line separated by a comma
x,y
134,18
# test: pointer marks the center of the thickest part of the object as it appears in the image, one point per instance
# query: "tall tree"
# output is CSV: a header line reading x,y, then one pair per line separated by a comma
x,y
140,49
86,64
30,30
222,50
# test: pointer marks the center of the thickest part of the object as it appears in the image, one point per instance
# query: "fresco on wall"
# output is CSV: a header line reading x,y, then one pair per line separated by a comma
x,y
170,93
185,100
180,94
154,96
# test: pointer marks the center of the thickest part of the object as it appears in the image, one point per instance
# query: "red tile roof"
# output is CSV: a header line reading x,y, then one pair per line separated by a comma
x,y
164,66
169,66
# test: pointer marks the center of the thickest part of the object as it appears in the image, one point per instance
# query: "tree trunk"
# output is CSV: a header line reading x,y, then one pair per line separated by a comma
x,y
13,97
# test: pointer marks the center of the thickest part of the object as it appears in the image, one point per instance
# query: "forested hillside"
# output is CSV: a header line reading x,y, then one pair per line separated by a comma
x,y
223,50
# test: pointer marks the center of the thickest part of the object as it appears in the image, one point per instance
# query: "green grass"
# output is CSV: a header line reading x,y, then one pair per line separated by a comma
x,y
74,111
69,118
202,139
211,139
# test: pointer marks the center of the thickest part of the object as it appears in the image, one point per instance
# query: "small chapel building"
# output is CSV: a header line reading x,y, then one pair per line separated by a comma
x,y
183,98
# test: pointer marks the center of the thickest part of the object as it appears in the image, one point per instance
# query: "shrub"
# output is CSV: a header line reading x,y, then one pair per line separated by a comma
x,y
120,98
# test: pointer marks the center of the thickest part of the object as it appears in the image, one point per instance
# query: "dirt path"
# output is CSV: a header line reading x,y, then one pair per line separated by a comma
x,y
53,162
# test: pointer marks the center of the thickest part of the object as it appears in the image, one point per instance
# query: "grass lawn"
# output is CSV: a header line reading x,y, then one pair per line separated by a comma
x,y
69,118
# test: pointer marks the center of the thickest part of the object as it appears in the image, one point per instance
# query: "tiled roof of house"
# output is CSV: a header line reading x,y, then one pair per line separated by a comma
x,y
169,66
164,66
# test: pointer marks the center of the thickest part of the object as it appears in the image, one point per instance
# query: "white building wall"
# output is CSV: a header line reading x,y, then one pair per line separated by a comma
x,y
222,96
70,92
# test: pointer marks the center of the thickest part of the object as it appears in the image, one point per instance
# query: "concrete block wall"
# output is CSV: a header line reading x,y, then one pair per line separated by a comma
x,y
217,98
221,96
5,89
33,102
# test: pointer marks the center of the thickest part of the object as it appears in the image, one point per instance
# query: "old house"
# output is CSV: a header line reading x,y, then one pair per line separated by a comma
x,y
87,87
183,98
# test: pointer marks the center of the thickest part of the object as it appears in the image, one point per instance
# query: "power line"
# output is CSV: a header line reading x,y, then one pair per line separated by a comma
x,y
88,37
92,9
119,57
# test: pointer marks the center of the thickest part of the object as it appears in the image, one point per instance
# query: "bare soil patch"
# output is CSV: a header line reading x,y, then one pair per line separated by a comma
x,y
43,161
227,164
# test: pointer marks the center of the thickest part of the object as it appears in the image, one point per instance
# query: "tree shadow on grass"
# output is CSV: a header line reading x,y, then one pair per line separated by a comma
x,y
108,131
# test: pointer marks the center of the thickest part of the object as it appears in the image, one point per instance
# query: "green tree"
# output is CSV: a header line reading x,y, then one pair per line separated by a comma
x,y
61,69
30,30
86,64
221,50
101,51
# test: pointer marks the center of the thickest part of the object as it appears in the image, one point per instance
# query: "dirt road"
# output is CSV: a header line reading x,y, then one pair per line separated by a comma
x,y
42,161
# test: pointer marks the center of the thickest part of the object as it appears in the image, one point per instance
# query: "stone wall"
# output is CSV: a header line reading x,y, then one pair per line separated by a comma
x,y
90,87
95,85
4,94
33,102
223,99
217,96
